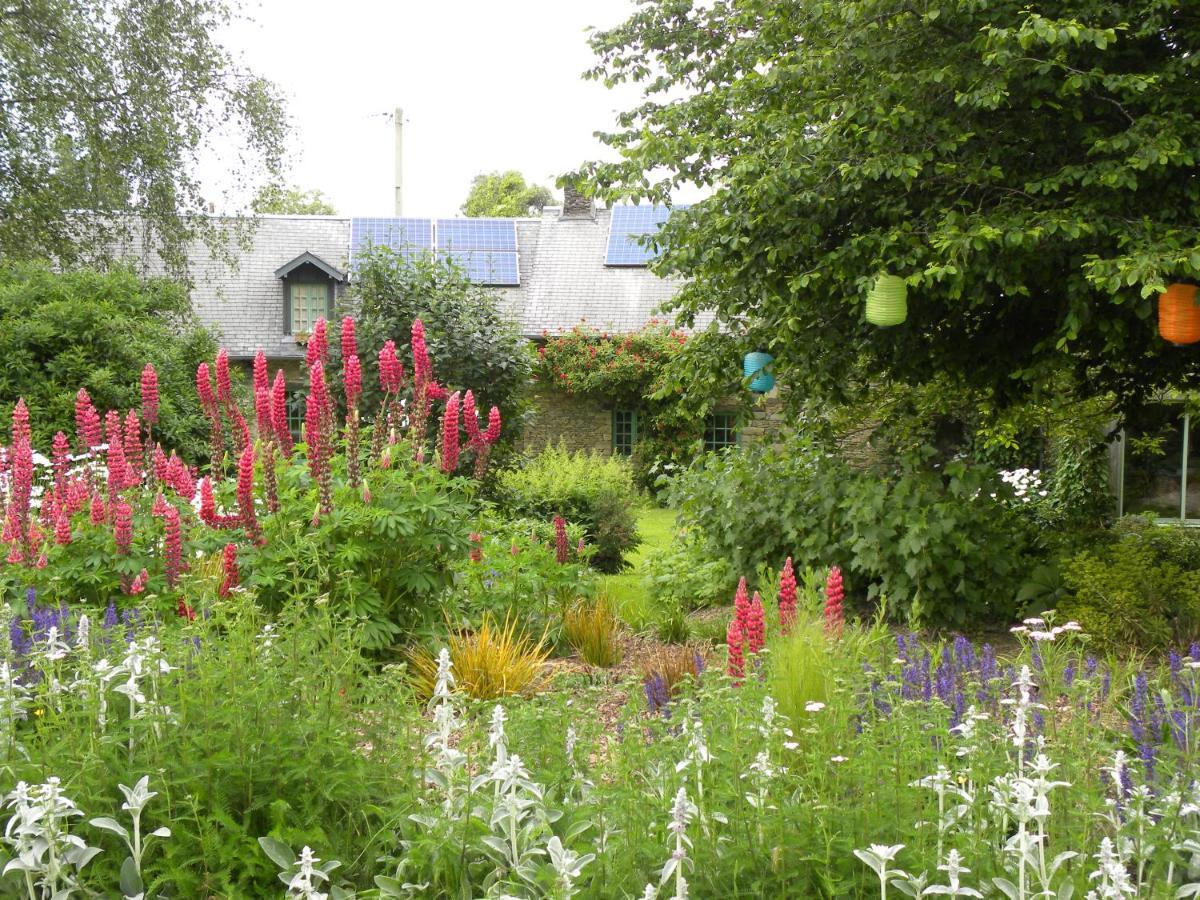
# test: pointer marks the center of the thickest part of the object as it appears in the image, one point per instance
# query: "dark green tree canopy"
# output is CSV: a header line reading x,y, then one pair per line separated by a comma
x,y
1032,174
105,107
277,199
505,195
97,330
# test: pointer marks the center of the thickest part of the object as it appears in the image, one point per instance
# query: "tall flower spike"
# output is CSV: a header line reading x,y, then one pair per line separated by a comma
x,y
787,597
391,373
62,460
562,549
493,429
349,341
118,474
224,385
132,440
450,435
150,395
245,495
834,592
264,418
318,441
756,625
261,380
422,369
123,526
741,606
734,642
318,345
87,421
231,578
279,413
470,419
352,379
20,422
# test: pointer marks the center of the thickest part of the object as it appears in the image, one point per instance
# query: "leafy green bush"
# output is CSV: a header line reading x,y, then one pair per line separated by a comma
x,y
1142,590
60,332
944,545
683,575
588,489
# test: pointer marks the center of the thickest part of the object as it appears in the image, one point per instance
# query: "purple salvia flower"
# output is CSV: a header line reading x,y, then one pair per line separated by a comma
x,y
110,616
1069,674
1089,666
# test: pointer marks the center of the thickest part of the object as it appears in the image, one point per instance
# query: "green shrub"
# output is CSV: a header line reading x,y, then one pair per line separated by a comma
x,y
1143,590
60,332
944,545
683,575
588,489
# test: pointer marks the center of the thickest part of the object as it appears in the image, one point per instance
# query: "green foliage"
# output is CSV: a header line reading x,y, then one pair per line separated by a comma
x,y
993,155
471,341
278,199
944,546
96,330
684,575
588,489
275,731
1142,590
108,105
505,195
379,561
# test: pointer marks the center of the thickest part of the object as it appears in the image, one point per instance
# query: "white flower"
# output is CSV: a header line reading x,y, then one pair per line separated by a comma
x,y
814,706
1043,635
838,759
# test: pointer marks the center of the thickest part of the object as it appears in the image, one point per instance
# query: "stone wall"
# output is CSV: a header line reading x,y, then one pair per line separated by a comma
x,y
579,424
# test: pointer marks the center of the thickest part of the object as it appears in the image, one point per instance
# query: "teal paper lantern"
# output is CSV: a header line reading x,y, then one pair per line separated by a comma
x,y
754,367
887,302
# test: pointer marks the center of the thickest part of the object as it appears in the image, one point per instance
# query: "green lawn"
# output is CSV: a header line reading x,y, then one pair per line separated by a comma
x,y
634,605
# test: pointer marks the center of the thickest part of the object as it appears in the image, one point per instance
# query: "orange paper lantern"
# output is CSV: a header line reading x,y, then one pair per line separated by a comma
x,y
1179,314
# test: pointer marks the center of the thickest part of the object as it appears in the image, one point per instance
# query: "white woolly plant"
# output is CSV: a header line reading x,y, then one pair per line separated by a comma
x,y
48,857
879,857
682,812
303,873
136,798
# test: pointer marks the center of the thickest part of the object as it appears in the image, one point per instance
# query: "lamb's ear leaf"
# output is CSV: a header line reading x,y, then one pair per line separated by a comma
x,y
281,854
1066,890
106,824
1006,887
131,882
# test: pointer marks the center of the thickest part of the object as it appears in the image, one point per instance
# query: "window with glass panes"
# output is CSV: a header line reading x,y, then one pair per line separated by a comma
x,y
624,431
296,407
719,431
1160,464
310,302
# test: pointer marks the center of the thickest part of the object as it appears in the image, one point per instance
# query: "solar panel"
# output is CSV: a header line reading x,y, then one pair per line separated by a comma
x,y
477,234
629,225
405,235
497,268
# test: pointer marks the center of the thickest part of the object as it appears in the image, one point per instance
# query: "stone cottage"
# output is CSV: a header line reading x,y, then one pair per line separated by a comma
x,y
575,264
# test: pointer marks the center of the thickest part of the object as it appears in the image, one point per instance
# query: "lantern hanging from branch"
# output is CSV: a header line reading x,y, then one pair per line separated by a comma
x,y
1179,314
754,367
887,301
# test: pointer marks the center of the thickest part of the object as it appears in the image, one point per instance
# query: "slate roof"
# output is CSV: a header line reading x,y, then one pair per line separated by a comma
x,y
564,281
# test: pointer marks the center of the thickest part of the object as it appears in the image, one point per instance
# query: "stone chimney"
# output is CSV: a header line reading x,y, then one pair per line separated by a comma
x,y
575,205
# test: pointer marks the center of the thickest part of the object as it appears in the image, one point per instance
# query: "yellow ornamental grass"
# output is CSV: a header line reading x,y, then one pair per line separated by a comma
x,y
591,628
488,663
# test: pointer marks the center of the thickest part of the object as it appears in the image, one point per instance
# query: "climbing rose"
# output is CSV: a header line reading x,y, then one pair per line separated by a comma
x,y
734,640
561,548
450,435
87,421
833,603
756,625
150,394
230,567
787,597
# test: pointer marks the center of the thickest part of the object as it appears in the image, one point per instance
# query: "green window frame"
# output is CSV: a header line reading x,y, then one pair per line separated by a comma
x,y
308,301
720,431
296,408
624,431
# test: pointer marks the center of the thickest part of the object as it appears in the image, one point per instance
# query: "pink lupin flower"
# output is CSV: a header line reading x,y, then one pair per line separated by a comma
x,y
150,395
450,435
245,494
261,380
834,592
224,384
132,446
117,466
264,419
62,530
741,607
172,545
212,411
279,414
352,377
422,369
229,565
319,443
349,341
61,455
97,512
139,583
208,504
734,644
391,372
87,421
43,560
787,597
493,430
20,422
318,345
161,465
756,625
123,526
562,552
476,541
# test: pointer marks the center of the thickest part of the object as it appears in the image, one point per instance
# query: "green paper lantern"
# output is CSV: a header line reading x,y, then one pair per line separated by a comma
x,y
887,302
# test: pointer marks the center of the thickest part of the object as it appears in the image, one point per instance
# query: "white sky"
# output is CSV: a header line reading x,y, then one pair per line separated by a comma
x,y
484,85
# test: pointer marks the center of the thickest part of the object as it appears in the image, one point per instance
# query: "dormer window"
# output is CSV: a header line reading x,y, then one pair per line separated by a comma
x,y
310,288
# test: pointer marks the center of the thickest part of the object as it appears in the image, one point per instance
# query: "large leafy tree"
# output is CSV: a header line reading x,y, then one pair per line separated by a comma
x,y
1030,169
277,199
506,195
106,107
